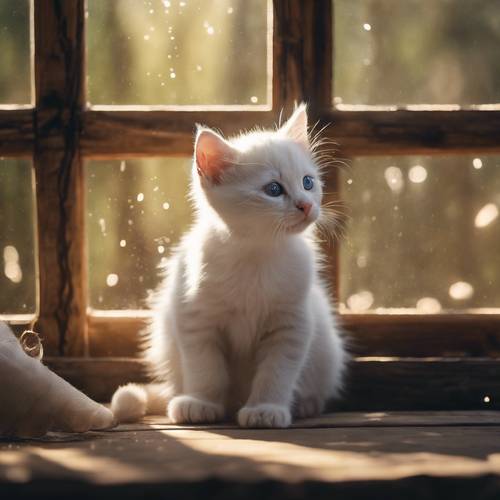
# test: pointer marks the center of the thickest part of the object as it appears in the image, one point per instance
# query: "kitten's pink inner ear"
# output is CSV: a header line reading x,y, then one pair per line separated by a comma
x,y
213,154
296,127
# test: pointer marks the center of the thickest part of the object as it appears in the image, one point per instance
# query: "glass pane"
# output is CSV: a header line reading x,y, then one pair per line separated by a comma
x,y
17,238
137,210
15,77
417,52
424,234
177,52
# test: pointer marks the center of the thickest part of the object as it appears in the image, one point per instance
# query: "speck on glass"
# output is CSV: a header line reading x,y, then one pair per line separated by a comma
x,y
17,238
424,234
136,212
15,72
190,52
402,52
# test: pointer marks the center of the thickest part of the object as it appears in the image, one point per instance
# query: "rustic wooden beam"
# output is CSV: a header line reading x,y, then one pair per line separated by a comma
x,y
123,133
302,54
16,131
116,133
414,132
374,384
458,335
287,41
317,69
59,63
115,333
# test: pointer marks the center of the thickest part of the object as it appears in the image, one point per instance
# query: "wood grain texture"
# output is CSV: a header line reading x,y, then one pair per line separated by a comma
x,y
122,133
16,131
374,384
461,335
456,335
302,54
414,132
328,455
127,133
59,62
154,460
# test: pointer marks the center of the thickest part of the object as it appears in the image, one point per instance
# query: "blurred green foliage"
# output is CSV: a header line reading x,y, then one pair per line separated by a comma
x,y
15,74
398,52
137,210
17,260
177,52
17,238
419,225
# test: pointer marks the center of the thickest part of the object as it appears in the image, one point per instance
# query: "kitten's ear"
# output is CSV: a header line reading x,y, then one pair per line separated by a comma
x,y
296,127
212,154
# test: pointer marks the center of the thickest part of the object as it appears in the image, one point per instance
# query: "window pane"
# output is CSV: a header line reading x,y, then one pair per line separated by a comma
x,y
17,238
425,233
136,212
417,52
15,79
177,52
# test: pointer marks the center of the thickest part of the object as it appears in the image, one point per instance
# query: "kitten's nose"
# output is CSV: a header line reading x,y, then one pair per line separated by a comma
x,y
304,207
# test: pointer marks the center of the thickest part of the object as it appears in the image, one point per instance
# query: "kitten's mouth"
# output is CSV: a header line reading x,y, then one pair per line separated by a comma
x,y
299,226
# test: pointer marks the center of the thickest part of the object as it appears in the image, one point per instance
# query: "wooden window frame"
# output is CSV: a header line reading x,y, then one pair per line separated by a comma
x,y
456,352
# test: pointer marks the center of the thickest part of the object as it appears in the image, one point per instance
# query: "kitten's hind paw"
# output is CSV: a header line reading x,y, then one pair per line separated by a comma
x,y
305,407
264,415
186,409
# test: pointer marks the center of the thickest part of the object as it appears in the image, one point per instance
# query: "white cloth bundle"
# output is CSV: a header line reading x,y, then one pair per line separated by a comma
x,y
34,400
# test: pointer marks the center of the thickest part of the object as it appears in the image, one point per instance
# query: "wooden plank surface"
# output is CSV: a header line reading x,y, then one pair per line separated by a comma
x,y
353,460
59,62
373,384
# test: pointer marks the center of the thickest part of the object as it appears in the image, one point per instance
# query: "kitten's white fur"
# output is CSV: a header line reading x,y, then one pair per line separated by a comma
x,y
242,322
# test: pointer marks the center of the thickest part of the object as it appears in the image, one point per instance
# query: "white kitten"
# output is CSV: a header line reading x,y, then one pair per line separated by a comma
x,y
242,322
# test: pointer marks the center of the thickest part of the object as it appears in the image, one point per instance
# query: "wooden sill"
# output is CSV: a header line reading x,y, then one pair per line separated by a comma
x,y
374,384
459,335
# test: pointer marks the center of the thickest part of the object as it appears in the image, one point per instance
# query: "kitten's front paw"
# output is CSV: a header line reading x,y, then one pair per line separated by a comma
x,y
264,415
190,410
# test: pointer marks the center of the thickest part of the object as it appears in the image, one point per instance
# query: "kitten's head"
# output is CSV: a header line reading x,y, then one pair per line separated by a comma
x,y
262,182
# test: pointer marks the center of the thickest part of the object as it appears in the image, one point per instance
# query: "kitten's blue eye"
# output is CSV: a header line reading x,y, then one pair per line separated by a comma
x,y
308,182
273,189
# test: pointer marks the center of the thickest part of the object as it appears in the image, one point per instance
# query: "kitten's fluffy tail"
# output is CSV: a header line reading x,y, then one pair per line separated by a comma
x,y
132,401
